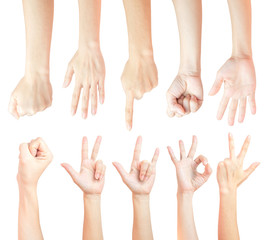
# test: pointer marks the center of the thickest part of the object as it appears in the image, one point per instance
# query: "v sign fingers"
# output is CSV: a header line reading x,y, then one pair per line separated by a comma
x,y
96,148
193,148
244,149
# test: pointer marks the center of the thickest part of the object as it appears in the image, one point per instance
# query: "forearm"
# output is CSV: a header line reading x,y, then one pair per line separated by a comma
x,y
240,11
38,17
89,23
28,224
142,229
186,225
189,19
138,15
92,226
228,229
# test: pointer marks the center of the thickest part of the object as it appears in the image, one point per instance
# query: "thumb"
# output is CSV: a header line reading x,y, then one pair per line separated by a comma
x,y
120,170
12,107
217,85
71,171
251,169
68,76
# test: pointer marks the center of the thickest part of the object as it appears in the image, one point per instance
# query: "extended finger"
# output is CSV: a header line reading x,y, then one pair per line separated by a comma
x,y
182,150
85,101
155,156
242,109
232,112
251,169
222,107
171,153
96,148
101,90
217,85
137,151
193,148
252,103
244,149
121,171
75,99
71,171
129,110
84,148
93,92
231,146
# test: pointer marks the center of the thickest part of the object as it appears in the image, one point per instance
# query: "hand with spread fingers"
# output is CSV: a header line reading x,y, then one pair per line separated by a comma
x,y
91,177
189,180
142,175
239,78
34,158
89,69
140,181
90,180
184,96
230,175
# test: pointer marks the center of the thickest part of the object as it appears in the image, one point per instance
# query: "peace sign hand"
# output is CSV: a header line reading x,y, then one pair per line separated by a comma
x,y
189,179
90,179
230,173
142,175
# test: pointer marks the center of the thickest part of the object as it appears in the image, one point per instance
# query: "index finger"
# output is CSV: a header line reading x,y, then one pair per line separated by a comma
x,y
84,148
137,151
129,110
244,149
231,146
96,148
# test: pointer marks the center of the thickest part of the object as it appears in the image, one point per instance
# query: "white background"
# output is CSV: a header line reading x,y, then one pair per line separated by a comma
x,y
60,200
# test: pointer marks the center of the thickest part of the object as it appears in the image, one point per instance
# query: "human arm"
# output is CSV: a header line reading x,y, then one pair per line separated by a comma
x,y
238,72
189,180
34,92
90,180
140,181
88,63
185,94
140,72
33,160
230,175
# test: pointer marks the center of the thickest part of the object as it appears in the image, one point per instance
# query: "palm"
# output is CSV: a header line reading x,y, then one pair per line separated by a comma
x,y
239,78
188,177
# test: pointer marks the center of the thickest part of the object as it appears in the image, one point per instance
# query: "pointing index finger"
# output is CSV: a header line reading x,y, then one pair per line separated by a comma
x,y
129,110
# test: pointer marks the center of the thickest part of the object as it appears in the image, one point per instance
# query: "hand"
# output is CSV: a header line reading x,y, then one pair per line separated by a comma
x,y
91,177
139,76
33,160
89,69
33,94
239,80
189,179
142,175
184,96
230,173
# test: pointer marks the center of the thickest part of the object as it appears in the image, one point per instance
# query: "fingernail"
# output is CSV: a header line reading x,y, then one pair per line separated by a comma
x,y
97,175
72,112
64,84
128,126
93,111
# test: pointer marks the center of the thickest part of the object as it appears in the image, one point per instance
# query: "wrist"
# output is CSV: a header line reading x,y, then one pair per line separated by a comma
x,y
242,53
228,191
136,52
91,197
185,195
190,70
141,197
89,45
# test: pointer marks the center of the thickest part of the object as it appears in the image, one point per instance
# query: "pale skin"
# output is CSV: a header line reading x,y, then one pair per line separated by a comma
x,y
238,72
230,174
90,180
140,72
185,94
34,92
88,63
140,181
33,160
189,180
